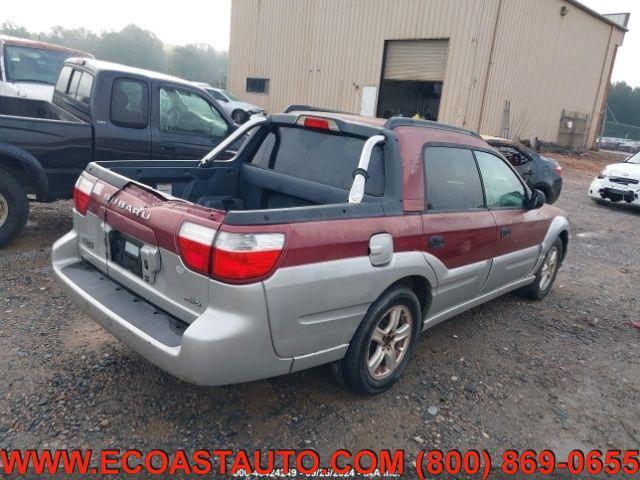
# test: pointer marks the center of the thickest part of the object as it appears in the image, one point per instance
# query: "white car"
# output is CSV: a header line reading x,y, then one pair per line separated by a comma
x,y
619,182
238,110
29,68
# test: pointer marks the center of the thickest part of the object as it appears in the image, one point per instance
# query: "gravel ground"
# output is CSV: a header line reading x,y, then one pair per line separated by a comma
x,y
559,374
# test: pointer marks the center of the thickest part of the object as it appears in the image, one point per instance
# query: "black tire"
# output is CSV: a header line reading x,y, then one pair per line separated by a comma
x,y
538,289
16,205
353,368
240,116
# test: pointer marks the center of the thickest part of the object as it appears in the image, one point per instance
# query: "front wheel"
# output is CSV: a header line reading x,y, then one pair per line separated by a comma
x,y
384,343
14,207
546,274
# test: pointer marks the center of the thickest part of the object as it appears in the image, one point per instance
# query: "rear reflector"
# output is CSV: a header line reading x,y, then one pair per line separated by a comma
x,y
195,243
317,123
245,256
82,192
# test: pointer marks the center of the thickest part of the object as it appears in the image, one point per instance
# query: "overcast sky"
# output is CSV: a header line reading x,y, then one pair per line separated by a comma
x,y
207,21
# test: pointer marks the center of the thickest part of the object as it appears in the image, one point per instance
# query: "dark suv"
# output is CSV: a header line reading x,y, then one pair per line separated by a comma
x,y
539,172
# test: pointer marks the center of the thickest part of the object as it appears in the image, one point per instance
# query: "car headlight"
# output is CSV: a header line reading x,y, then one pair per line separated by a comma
x,y
602,175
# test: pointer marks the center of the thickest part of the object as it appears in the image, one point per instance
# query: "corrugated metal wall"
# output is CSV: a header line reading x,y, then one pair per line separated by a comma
x,y
322,52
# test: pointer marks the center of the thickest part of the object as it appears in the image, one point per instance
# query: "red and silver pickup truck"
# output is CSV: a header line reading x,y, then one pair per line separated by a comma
x,y
326,238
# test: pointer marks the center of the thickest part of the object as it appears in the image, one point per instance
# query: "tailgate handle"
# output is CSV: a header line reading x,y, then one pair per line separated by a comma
x,y
150,257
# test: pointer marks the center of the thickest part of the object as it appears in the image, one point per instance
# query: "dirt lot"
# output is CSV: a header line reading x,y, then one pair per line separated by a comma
x,y
559,374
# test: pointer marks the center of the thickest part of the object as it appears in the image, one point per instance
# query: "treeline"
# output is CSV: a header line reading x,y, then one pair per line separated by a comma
x,y
140,48
623,112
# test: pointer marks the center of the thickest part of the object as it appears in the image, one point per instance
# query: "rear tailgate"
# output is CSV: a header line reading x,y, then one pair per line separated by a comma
x,y
129,233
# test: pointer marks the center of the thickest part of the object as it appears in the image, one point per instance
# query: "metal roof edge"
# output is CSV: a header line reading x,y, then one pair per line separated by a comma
x,y
595,14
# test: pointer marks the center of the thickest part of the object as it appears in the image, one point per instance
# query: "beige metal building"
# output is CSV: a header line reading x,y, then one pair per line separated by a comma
x,y
511,68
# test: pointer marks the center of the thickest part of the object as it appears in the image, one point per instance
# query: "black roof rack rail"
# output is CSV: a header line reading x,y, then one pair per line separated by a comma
x,y
410,122
309,108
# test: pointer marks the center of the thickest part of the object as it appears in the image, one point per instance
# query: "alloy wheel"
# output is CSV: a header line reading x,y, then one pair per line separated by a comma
x,y
4,209
549,267
390,341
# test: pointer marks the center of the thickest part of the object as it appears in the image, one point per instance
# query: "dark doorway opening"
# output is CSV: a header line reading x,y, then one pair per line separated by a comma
x,y
408,98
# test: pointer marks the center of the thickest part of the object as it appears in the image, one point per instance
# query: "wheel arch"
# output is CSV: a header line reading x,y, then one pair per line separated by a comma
x,y
418,284
26,168
564,237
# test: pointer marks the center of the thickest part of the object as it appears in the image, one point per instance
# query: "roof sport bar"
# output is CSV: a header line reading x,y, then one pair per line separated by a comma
x,y
227,142
361,175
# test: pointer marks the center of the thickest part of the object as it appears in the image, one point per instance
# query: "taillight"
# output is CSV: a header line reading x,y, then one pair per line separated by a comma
x,y
558,169
245,256
82,192
235,257
195,242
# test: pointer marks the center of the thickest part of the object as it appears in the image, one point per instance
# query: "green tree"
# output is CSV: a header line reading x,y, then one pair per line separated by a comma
x,y
137,47
200,63
623,112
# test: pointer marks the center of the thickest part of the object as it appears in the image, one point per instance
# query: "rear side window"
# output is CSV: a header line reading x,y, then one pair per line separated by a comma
x,y
452,180
515,157
83,94
63,80
129,103
318,157
73,85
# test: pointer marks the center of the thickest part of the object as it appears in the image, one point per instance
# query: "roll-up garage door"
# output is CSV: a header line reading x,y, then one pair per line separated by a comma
x,y
417,60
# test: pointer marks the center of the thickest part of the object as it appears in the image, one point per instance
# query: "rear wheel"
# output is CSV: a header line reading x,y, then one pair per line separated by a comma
x,y
546,274
14,208
383,344
240,116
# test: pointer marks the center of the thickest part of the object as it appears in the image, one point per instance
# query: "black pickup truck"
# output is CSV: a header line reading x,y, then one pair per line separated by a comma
x,y
100,111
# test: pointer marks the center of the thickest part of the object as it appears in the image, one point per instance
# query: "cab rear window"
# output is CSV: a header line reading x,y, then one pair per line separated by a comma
x,y
326,159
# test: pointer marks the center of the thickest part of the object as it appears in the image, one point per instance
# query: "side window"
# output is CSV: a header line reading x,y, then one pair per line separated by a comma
x,y
502,186
258,85
83,94
452,180
129,103
73,84
182,111
63,79
515,157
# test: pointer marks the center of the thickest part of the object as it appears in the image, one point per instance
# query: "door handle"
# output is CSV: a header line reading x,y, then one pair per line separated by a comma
x,y
436,241
505,232
167,148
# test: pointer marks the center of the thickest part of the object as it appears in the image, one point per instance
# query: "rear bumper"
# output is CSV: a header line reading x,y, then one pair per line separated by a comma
x,y
228,343
556,189
601,189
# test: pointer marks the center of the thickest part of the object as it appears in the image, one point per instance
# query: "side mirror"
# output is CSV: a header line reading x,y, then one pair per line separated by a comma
x,y
537,200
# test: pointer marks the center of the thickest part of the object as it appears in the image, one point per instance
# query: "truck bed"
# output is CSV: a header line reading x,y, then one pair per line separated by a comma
x,y
36,109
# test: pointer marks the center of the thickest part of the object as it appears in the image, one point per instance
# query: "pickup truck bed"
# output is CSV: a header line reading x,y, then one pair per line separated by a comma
x,y
29,108
100,111
316,243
